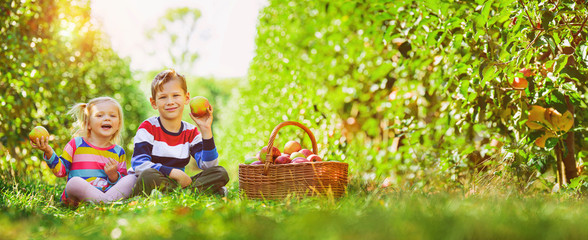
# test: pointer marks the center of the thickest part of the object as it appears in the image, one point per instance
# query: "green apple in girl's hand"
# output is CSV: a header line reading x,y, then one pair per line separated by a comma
x,y
38,132
199,106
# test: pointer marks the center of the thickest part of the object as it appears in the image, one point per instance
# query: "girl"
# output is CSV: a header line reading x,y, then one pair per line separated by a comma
x,y
94,165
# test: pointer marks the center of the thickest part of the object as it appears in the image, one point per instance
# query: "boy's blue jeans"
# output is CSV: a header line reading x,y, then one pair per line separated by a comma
x,y
210,180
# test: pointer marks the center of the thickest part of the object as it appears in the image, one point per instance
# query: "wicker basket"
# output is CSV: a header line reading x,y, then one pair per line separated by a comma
x,y
277,181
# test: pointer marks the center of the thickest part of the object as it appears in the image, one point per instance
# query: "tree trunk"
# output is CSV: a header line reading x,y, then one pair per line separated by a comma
x,y
569,156
561,169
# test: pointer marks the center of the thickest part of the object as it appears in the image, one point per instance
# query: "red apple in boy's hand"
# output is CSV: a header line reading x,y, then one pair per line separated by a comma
x,y
292,146
306,152
314,158
275,153
38,132
199,106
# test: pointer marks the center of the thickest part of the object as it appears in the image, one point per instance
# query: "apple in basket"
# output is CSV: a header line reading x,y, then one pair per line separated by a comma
x,y
249,160
296,154
257,163
314,158
275,153
292,146
306,152
300,160
282,160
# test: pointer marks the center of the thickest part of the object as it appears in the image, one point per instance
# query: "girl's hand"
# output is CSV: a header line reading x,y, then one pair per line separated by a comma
x,y
42,144
204,123
110,169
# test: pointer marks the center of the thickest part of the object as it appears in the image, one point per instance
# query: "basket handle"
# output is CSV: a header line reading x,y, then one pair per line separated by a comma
x,y
270,144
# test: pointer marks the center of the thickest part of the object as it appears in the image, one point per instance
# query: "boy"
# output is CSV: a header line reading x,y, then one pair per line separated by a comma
x,y
164,144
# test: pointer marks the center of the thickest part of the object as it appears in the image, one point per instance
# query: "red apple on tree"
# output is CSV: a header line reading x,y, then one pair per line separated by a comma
x,y
522,83
540,142
536,117
292,146
559,122
199,106
38,132
519,83
527,72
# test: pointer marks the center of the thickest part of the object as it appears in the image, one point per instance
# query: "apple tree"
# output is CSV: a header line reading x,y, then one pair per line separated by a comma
x,y
53,56
420,91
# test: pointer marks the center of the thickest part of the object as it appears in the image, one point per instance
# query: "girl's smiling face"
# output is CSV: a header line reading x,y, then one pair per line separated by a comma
x,y
104,120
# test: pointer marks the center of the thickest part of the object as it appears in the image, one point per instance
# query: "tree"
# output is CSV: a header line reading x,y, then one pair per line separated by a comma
x,y
175,31
409,90
53,56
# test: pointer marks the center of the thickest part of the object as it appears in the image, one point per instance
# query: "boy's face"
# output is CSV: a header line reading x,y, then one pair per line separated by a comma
x,y
170,100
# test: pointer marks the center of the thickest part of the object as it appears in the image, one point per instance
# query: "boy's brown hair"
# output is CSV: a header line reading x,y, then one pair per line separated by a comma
x,y
164,77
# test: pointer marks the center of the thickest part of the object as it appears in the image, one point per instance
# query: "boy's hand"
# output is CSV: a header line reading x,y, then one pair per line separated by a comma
x,y
181,177
110,169
42,144
204,123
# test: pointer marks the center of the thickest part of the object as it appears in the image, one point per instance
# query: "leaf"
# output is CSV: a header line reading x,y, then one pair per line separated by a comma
x,y
573,73
558,101
551,142
583,52
533,136
575,183
550,42
489,73
486,10
560,63
464,88
481,70
546,19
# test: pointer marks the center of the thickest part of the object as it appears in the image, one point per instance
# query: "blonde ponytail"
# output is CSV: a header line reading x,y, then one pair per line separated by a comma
x,y
81,116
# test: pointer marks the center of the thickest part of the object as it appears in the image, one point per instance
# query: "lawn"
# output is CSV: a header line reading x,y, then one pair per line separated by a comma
x,y
31,210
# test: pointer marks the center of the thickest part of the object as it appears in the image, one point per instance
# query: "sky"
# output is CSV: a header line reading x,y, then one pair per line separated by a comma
x,y
224,41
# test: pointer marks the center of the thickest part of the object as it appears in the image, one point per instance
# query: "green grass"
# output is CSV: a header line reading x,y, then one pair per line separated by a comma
x,y
31,210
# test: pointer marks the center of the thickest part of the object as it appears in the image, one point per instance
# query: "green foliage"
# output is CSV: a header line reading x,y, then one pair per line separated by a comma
x,y
53,56
407,90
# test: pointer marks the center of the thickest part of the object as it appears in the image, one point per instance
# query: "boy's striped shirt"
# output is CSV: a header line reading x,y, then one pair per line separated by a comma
x,y
157,148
